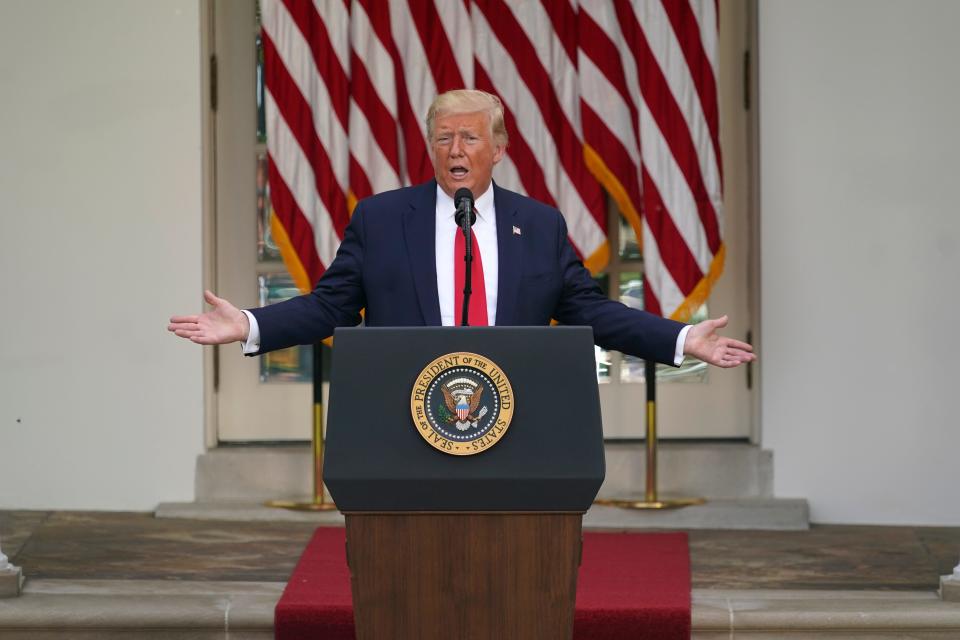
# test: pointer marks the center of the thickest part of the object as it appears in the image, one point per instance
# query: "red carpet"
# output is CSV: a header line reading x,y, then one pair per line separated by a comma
x,y
631,585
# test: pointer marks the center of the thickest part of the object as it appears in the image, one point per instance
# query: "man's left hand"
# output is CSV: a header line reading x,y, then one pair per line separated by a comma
x,y
703,342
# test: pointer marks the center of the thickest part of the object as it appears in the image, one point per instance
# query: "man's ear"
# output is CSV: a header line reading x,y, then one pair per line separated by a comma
x,y
499,151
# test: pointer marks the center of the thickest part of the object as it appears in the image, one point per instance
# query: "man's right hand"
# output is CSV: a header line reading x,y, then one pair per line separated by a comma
x,y
221,325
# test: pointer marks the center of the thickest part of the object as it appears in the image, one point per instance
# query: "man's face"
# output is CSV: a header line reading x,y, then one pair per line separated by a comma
x,y
464,152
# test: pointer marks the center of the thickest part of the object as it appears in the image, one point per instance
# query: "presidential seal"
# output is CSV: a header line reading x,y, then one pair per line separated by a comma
x,y
462,403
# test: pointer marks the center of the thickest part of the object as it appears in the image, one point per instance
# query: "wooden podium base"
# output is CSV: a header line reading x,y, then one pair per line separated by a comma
x,y
469,576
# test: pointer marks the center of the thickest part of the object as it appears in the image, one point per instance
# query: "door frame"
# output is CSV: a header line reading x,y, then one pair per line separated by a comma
x,y
211,356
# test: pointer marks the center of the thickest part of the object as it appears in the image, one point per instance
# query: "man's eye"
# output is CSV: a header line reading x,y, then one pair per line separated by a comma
x,y
443,139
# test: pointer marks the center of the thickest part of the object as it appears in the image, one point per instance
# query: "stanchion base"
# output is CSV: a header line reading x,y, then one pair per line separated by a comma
x,y
665,503
293,505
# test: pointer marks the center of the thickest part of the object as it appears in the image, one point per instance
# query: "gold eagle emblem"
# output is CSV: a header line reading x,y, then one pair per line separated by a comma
x,y
472,401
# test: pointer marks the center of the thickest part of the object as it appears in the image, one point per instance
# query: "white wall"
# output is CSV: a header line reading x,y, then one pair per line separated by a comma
x,y
100,207
860,250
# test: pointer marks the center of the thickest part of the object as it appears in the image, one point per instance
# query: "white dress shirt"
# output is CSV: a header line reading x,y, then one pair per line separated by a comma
x,y
485,231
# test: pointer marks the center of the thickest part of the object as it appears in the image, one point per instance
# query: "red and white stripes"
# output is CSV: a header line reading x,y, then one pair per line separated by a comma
x,y
651,125
607,94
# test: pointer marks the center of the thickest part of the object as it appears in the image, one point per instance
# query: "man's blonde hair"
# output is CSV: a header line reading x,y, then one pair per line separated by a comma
x,y
461,101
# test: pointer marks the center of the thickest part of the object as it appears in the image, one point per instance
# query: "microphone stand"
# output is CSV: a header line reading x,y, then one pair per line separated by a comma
x,y
465,224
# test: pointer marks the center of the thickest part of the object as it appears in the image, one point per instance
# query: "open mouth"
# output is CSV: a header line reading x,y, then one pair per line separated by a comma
x,y
458,172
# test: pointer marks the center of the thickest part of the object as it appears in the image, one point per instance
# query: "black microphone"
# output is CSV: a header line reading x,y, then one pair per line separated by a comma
x,y
465,218
463,199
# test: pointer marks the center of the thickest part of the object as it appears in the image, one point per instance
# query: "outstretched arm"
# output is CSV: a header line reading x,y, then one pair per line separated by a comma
x,y
221,325
705,343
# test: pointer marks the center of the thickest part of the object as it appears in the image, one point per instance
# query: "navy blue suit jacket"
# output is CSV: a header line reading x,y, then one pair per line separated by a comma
x,y
387,265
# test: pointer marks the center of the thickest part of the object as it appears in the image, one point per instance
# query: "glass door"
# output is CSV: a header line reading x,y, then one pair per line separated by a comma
x,y
269,398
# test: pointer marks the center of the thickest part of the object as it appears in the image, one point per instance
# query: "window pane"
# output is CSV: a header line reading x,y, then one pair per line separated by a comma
x,y
629,247
632,368
267,250
286,365
631,289
631,294
603,360
602,356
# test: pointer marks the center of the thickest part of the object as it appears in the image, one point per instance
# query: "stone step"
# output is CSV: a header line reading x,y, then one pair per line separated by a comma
x,y
710,470
253,473
768,514
774,514
89,609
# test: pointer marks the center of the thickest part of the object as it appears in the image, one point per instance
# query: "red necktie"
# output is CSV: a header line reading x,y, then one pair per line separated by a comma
x,y
478,297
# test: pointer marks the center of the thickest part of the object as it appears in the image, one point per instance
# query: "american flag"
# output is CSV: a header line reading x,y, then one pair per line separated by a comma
x,y
615,95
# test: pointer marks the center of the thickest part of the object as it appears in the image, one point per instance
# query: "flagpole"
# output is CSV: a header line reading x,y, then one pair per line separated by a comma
x,y
319,501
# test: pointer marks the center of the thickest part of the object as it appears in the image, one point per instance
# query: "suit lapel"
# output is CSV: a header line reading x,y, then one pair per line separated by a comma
x,y
510,256
420,234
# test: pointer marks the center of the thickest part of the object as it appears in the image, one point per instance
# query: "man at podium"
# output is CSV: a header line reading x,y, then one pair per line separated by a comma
x,y
402,260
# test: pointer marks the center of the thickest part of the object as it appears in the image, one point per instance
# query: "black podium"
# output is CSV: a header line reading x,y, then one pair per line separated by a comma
x,y
447,545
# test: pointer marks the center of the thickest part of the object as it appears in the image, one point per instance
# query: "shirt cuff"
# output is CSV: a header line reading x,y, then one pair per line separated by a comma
x,y
252,343
677,353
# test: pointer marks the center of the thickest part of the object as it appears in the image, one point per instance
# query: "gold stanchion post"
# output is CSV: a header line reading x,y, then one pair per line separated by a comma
x,y
651,499
319,501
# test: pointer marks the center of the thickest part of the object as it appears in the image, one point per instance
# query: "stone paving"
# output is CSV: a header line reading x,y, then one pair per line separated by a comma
x,y
131,575
138,546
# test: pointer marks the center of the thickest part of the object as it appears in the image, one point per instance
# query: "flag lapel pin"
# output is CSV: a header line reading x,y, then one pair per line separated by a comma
x,y
516,230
